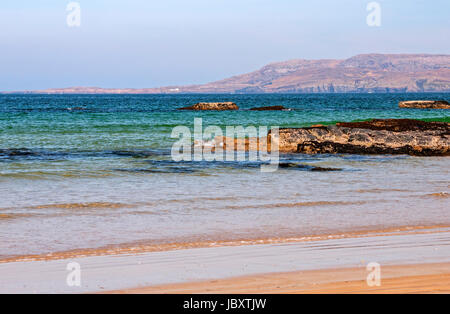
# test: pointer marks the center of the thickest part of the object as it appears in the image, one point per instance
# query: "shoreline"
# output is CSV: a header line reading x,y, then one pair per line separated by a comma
x,y
397,279
125,249
262,266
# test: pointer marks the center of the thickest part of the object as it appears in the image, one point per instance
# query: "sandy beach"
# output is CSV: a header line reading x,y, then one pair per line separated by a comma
x,y
413,261
403,279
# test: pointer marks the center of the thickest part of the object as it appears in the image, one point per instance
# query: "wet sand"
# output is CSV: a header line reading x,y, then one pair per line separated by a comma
x,y
410,279
137,248
294,267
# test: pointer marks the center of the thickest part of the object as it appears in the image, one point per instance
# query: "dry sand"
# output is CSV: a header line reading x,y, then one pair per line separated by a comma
x,y
425,278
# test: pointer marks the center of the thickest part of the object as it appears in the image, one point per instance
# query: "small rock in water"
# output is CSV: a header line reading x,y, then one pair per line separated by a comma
x,y
271,108
425,104
217,106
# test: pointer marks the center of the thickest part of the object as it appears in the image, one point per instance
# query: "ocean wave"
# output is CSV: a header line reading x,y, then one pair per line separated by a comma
x,y
441,195
157,171
11,216
298,204
94,205
378,191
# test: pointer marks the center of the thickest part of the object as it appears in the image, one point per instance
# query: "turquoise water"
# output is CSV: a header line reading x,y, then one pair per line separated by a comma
x,y
56,123
81,171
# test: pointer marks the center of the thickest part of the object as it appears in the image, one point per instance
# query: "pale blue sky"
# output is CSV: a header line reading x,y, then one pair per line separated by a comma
x,y
148,43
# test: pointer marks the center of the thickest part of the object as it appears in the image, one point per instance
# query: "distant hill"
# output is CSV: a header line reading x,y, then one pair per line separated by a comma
x,y
363,73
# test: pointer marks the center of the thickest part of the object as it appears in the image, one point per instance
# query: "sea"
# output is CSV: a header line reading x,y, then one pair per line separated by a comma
x,y
81,172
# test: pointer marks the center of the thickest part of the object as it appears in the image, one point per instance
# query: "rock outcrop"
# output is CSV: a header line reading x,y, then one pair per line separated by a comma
x,y
217,106
240,144
271,108
410,137
425,104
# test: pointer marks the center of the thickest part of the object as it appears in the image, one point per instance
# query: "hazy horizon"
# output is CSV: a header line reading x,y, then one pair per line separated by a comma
x,y
145,44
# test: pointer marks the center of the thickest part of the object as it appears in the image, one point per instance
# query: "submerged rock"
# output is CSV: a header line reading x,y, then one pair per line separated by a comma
x,y
411,137
295,166
217,106
14,152
425,104
271,108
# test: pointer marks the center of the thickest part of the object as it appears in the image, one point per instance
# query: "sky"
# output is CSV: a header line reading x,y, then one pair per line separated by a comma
x,y
148,43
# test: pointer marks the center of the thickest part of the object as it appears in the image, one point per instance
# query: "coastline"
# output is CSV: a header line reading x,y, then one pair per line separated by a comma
x,y
398,279
258,268
225,155
68,194
137,248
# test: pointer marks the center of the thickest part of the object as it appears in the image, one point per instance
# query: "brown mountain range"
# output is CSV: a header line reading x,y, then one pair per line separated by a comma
x,y
362,73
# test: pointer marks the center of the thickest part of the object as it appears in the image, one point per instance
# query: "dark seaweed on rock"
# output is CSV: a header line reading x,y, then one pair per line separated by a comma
x,y
339,148
397,125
